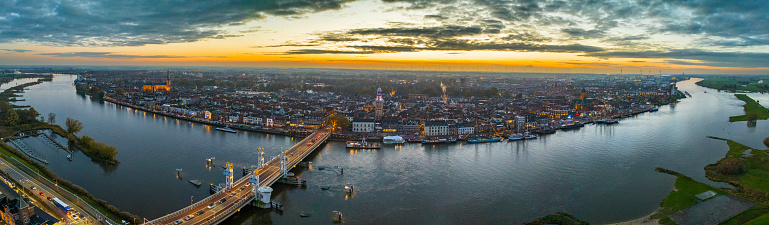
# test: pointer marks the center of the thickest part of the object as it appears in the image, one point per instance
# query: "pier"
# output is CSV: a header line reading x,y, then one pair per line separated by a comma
x,y
236,194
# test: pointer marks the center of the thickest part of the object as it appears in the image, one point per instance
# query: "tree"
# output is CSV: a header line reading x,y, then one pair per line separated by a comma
x,y
338,120
119,91
51,118
13,118
73,126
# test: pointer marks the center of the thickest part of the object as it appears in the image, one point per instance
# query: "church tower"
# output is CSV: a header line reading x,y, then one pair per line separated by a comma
x,y
379,104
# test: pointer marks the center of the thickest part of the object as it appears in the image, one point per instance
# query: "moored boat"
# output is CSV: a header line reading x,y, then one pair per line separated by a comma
x,y
226,129
572,126
484,140
529,136
363,144
515,137
438,141
393,140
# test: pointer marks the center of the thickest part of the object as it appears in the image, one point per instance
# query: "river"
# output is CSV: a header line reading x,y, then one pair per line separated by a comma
x,y
600,173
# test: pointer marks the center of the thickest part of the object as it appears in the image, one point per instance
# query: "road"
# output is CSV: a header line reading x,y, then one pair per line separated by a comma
x,y
241,190
27,182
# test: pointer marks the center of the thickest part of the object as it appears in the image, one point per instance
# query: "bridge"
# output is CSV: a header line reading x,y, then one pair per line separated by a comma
x,y
238,193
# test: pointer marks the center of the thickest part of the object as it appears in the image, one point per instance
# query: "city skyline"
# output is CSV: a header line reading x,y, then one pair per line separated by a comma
x,y
704,37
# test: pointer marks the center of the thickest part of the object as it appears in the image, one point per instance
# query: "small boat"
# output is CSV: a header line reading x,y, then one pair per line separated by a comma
x,y
601,121
196,182
528,136
226,129
325,187
572,126
484,140
544,131
363,144
304,214
654,109
439,141
69,157
393,140
515,137
612,121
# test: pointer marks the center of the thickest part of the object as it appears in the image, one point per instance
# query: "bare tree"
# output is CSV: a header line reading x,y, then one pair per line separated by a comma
x,y
51,118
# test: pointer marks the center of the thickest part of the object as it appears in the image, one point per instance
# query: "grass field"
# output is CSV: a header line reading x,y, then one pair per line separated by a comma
x,y
756,179
682,197
735,83
751,107
762,220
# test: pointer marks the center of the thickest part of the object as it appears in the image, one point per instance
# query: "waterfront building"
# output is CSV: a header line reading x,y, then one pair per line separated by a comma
x,y
363,125
436,128
465,128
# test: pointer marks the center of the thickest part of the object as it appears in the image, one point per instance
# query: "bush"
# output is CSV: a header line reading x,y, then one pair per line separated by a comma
x,y
732,166
766,142
97,149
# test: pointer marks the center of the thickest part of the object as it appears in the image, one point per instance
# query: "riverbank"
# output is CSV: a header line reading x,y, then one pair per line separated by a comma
x,y
756,84
753,110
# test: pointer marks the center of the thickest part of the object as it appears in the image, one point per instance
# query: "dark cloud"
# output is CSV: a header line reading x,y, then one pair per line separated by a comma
x,y
437,17
703,58
447,31
526,36
137,22
579,33
16,50
108,55
455,45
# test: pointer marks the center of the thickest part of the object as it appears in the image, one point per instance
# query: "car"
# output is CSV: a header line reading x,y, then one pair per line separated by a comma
x,y
233,193
33,188
81,216
308,144
74,216
242,187
200,212
248,184
189,217
212,205
41,193
178,221
49,198
223,200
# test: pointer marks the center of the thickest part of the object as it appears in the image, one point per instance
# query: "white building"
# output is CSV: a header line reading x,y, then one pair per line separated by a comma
x,y
363,125
465,129
436,128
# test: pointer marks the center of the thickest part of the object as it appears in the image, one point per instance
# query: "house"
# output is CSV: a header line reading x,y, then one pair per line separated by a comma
x,y
363,125
436,128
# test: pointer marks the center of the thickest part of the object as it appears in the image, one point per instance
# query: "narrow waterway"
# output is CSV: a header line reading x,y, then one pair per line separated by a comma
x,y
600,173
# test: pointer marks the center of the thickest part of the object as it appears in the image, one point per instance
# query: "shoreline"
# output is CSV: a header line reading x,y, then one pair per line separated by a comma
x,y
645,220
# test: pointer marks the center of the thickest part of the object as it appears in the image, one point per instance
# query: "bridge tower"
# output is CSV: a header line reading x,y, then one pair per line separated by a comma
x,y
283,164
254,180
260,161
228,176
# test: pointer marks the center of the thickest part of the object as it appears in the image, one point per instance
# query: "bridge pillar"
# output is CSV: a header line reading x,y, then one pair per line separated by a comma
x,y
260,161
283,164
228,175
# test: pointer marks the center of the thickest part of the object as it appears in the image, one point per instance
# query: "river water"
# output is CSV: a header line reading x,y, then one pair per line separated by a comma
x,y
600,173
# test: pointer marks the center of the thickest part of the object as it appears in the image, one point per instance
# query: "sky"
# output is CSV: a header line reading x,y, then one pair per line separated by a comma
x,y
553,36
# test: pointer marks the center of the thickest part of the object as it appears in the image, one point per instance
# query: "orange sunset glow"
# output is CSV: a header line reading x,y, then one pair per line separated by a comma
x,y
498,36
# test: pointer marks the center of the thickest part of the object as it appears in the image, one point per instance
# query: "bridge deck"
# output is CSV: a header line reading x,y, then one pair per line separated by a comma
x,y
240,194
